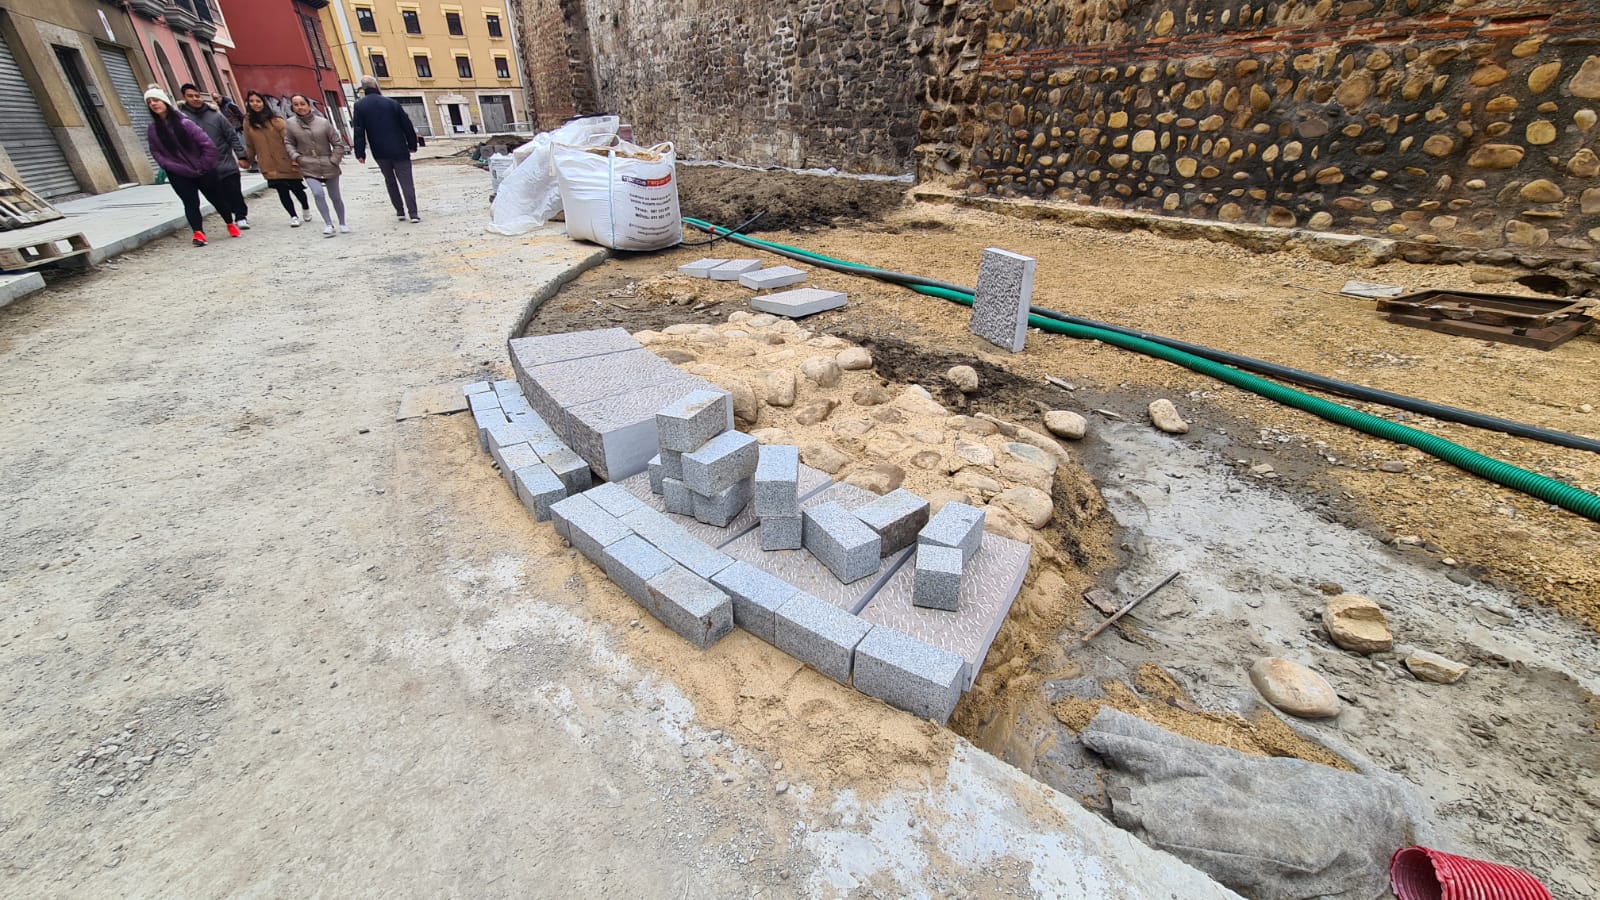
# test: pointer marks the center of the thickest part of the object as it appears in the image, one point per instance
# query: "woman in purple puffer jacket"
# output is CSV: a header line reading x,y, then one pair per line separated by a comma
x,y
189,158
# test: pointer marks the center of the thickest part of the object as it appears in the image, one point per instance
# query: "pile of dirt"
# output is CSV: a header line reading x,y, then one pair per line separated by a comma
x,y
728,195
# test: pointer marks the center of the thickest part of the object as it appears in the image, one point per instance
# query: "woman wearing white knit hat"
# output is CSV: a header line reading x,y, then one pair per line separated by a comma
x,y
189,158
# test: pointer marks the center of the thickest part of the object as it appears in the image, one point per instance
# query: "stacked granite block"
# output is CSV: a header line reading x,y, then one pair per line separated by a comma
x,y
536,465
704,468
599,392
777,497
944,547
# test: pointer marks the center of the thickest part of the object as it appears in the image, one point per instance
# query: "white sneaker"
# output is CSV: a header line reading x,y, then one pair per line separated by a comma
x,y
327,231
244,224
294,221
344,229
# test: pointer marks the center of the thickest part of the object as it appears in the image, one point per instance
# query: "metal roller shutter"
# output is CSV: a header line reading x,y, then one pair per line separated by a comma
x,y
126,84
418,111
27,137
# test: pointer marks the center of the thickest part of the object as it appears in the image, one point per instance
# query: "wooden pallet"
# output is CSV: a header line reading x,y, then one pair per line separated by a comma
x,y
1485,309
20,207
1539,337
70,249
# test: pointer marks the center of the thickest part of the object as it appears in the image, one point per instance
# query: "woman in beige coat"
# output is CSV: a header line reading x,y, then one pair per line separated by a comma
x,y
315,146
264,148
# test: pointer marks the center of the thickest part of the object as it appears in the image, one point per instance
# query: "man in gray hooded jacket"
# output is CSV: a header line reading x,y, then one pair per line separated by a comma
x,y
230,151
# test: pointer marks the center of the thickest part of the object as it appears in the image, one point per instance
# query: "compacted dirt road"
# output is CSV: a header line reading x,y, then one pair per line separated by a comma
x,y
259,638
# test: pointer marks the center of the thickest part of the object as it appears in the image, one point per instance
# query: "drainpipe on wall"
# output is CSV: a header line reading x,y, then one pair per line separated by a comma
x,y
516,60
351,51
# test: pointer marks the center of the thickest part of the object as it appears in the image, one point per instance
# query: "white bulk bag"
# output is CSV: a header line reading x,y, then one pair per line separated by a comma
x,y
527,197
623,196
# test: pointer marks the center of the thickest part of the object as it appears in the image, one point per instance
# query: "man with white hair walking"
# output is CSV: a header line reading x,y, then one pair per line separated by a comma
x,y
382,123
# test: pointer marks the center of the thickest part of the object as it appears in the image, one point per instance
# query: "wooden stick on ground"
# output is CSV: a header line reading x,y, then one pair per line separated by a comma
x,y
1125,610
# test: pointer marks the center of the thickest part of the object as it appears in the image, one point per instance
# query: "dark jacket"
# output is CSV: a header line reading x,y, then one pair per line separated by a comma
x,y
383,123
223,136
196,163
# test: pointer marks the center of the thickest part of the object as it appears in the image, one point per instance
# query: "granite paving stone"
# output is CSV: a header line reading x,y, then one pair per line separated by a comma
x,y
1002,299
654,468
700,268
538,488
812,481
799,302
818,634
989,584
675,541
957,525
777,481
721,508
720,463
617,436
671,464
589,528
513,457
756,597
897,517
693,419
936,579
573,472
631,562
782,532
909,674
476,387
614,499
775,277
676,497
692,607
840,541
733,268
543,349
505,388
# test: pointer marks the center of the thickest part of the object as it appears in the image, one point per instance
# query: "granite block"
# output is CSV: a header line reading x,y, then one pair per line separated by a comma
x,y
840,541
511,458
559,386
733,268
493,417
614,499
654,468
781,532
483,404
756,597
573,472
897,517
476,387
720,463
671,464
676,497
589,528
506,388
504,434
538,488
909,674
700,268
515,405
778,481
936,577
818,634
799,302
693,419
1002,299
631,562
534,426
806,573
617,436
957,525
542,349
775,277
675,541
989,585
692,607
720,509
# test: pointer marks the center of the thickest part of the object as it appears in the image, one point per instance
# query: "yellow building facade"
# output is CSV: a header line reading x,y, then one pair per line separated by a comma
x,y
452,66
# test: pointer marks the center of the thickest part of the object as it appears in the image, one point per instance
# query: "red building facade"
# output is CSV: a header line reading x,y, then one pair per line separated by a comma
x,y
280,50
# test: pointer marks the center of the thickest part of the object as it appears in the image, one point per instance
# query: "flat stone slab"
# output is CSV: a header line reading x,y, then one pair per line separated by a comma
x,y
989,585
433,401
799,302
552,389
733,268
812,481
804,571
1003,296
617,436
909,674
543,349
819,634
775,277
700,268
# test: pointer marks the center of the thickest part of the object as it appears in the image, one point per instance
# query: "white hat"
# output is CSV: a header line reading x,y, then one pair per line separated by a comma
x,y
155,92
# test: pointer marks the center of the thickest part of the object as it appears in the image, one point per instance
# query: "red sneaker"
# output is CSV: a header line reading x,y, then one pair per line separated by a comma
x,y
233,230
199,239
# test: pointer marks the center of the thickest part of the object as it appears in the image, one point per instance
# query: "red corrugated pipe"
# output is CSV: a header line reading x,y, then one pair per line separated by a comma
x,y
1417,873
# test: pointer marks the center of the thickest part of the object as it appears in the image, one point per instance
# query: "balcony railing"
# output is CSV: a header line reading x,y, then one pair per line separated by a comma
x,y
150,9
181,16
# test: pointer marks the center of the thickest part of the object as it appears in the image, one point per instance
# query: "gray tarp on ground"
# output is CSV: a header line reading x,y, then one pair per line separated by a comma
x,y
1267,828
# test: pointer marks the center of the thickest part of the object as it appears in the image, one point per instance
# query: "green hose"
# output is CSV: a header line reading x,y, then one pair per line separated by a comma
x,y
1531,483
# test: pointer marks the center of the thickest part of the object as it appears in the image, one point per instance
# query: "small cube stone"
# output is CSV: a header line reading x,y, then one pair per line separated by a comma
x,y
718,509
937,582
957,525
675,541
819,634
775,277
781,532
476,387
777,481
655,474
799,302
614,499
589,528
633,561
483,404
677,497
538,488
567,466
700,268
693,419
720,463
694,608
756,597
512,458
506,387
840,541
909,674
897,517
671,464
733,268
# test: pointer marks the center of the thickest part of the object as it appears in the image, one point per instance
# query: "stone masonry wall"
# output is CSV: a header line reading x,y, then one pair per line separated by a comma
x,y
1458,122
801,83
557,63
